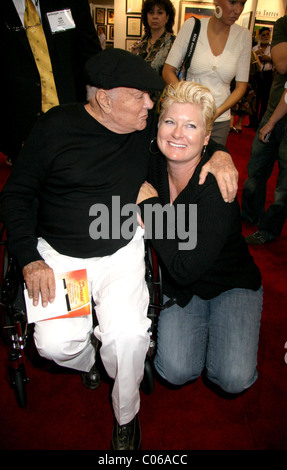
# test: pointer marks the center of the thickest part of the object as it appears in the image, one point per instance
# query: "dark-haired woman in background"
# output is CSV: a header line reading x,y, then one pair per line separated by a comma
x,y
158,20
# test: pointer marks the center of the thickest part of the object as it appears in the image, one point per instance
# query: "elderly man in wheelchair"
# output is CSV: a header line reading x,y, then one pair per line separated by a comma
x,y
77,155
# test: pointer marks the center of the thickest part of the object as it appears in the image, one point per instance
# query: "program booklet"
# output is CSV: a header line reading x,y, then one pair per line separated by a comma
x,y
72,298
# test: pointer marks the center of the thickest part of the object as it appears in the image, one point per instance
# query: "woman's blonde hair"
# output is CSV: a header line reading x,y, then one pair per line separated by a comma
x,y
193,93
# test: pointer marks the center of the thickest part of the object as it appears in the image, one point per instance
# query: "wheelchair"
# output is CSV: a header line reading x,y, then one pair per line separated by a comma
x,y
18,333
15,329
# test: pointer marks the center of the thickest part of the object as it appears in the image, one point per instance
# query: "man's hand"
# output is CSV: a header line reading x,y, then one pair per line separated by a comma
x,y
265,131
222,167
39,278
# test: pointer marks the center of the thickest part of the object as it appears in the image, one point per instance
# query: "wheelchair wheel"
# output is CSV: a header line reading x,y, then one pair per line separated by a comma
x,y
147,385
18,382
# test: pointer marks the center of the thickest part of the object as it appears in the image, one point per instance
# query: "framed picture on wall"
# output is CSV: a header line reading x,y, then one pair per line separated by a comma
x,y
110,16
191,8
134,26
111,33
102,29
100,15
130,42
246,19
134,6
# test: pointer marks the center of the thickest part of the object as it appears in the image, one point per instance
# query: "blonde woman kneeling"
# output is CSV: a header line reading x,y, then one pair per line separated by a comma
x,y
213,325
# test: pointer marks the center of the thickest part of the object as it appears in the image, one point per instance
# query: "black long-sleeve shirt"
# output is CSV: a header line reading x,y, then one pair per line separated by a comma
x,y
220,260
69,163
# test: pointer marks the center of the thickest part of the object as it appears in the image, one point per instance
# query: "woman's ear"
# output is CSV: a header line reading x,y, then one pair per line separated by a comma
x,y
206,138
104,101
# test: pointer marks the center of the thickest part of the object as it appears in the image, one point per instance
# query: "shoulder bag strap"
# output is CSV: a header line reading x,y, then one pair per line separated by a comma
x,y
191,45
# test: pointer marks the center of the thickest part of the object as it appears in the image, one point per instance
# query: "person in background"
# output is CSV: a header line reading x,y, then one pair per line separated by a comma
x,y
279,112
246,106
102,37
265,153
264,73
212,287
78,157
222,52
158,20
66,48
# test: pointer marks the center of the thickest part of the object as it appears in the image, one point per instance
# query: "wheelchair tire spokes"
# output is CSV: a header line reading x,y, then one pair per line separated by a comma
x,y
14,326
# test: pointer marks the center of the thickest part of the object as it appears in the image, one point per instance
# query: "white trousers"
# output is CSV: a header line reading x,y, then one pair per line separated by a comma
x,y
117,285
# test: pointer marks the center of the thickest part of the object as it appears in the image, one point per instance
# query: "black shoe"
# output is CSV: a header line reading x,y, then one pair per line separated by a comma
x,y
127,436
256,238
91,379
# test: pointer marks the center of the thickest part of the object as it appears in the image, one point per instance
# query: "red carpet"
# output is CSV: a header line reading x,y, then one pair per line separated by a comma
x,y
62,414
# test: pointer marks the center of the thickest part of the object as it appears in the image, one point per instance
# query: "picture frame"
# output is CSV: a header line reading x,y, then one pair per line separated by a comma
x,y
245,20
109,45
111,33
110,16
102,29
134,26
193,8
100,16
130,42
134,7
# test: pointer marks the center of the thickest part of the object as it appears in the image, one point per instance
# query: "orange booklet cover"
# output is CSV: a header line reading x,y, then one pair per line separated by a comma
x,y
72,298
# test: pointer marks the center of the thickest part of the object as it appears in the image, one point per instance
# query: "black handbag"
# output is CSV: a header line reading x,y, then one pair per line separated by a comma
x,y
182,71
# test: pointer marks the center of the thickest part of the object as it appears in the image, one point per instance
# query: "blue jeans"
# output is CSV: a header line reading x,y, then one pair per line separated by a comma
x,y
260,167
220,335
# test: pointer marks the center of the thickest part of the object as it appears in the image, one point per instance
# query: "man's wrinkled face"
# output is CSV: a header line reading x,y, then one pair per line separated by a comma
x,y
265,37
129,109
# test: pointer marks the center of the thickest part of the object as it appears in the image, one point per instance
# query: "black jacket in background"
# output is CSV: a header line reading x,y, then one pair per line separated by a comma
x,y
19,78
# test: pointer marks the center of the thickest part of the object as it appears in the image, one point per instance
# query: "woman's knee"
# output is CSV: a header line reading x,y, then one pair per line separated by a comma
x,y
175,372
235,382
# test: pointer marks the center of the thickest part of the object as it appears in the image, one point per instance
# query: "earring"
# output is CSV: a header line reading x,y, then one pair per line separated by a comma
x,y
218,12
153,148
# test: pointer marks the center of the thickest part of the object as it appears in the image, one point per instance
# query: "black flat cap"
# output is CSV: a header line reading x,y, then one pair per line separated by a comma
x,y
264,29
112,68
